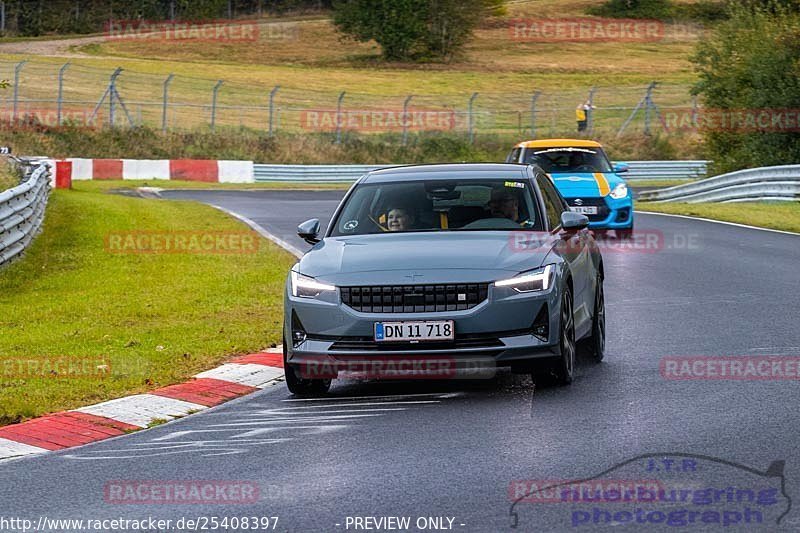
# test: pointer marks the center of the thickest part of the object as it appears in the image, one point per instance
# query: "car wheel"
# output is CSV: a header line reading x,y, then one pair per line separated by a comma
x,y
303,387
562,370
595,345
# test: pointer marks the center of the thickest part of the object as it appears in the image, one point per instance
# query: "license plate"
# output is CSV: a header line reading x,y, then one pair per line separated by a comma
x,y
584,210
433,330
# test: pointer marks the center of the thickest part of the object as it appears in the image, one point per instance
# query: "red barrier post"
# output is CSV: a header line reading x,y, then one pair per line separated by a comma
x,y
63,174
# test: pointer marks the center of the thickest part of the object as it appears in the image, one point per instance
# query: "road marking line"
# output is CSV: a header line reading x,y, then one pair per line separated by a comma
x,y
332,399
718,222
142,409
245,374
357,404
324,408
297,252
279,420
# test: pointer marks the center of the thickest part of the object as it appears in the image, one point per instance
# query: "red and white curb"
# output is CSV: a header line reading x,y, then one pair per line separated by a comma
x,y
59,431
203,170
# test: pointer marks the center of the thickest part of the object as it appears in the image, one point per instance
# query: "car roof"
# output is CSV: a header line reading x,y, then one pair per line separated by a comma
x,y
559,143
448,171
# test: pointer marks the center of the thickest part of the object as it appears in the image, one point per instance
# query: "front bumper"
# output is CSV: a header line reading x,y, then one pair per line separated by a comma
x,y
497,332
612,214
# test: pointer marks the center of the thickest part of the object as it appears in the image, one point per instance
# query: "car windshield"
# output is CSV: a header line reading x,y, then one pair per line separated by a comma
x,y
568,159
438,205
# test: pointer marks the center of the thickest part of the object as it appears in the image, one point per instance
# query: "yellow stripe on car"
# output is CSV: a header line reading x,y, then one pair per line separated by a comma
x,y
602,184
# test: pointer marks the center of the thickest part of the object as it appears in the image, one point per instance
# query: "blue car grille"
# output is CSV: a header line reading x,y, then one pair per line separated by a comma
x,y
415,298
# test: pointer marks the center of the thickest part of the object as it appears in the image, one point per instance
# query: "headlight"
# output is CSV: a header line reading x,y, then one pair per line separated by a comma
x,y
537,280
307,287
620,191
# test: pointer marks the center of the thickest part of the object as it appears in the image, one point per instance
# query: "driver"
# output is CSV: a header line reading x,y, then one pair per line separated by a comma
x,y
504,204
399,219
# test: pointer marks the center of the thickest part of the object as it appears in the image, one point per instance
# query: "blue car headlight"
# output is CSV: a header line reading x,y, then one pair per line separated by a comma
x,y
533,281
619,192
308,287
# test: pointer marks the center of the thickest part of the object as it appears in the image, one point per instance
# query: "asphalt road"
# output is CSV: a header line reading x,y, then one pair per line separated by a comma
x,y
460,449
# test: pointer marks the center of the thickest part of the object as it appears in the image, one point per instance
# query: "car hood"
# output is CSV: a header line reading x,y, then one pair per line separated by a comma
x,y
585,183
428,257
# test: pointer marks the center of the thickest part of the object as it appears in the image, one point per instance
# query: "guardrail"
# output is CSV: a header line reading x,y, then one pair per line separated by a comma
x,y
312,173
666,170
22,212
639,170
756,184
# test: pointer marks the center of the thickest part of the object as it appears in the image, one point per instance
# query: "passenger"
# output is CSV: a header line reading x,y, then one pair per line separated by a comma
x,y
504,204
399,219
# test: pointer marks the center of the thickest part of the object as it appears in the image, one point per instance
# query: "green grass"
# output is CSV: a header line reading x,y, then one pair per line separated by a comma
x,y
152,319
315,67
775,215
8,178
317,148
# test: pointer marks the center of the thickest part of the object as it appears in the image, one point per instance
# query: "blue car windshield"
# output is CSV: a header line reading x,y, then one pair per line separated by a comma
x,y
568,160
438,205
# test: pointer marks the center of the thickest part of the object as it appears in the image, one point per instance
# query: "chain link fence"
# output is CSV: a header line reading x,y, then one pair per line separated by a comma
x,y
54,94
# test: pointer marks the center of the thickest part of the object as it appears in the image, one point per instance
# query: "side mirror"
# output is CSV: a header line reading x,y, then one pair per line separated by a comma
x,y
621,168
574,221
309,230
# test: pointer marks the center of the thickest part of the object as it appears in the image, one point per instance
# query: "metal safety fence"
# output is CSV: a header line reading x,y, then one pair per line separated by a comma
x,y
751,185
638,171
22,211
56,94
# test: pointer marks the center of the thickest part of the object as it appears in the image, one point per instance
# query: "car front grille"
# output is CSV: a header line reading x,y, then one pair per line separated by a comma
x,y
600,203
415,298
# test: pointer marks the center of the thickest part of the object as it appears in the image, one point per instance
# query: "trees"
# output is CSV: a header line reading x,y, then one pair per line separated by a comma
x,y
407,29
38,17
751,65
396,25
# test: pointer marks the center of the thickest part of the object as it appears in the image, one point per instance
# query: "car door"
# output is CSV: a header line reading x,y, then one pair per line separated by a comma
x,y
575,249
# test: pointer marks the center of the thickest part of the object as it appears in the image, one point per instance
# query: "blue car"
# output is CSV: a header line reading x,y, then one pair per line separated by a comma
x,y
585,178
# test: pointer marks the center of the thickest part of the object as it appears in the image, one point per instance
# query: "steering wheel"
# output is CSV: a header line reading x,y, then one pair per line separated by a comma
x,y
585,168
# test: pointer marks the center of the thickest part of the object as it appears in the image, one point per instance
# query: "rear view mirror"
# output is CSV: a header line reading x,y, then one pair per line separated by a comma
x,y
574,221
309,230
621,168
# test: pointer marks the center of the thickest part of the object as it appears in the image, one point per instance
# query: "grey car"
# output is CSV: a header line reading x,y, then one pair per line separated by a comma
x,y
476,265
